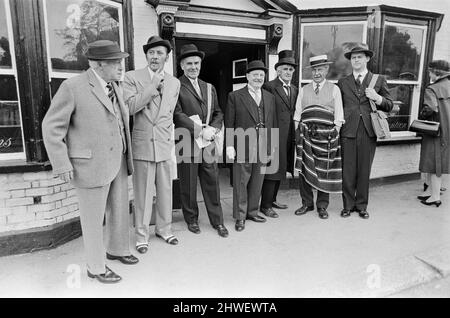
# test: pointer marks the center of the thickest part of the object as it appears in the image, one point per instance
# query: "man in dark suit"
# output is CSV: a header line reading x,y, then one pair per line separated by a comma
x,y
358,140
285,98
198,115
249,118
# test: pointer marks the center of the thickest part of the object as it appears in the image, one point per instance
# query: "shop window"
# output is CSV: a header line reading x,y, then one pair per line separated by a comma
x,y
11,132
70,26
332,39
402,64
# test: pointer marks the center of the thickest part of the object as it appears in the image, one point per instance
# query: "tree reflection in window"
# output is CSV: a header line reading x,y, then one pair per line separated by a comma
x,y
5,55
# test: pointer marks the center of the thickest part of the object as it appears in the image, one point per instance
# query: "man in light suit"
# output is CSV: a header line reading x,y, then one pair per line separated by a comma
x,y
87,137
194,100
358,140
251,109
151,95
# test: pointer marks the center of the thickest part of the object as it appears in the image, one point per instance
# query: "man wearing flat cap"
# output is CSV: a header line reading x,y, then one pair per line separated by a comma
x,y
358,139
318,119
151,95
199,115
285,98
250,110
87,137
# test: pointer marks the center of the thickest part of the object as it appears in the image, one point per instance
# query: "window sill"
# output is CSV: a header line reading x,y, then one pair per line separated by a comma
x,y
16,166
397,140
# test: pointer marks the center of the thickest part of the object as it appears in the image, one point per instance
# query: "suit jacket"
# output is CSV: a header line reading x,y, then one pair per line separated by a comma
x,y
242,112
285,108
152,136
355,104
189,103
81,132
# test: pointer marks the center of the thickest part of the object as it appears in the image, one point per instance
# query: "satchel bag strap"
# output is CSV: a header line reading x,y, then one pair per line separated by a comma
x,y
209,98
373,81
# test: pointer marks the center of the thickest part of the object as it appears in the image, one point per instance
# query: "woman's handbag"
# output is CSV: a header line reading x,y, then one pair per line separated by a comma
x,y
427,127
379,119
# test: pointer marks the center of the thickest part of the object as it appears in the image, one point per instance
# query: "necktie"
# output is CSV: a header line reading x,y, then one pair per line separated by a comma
x,y
197,88
258,97
112,97
316,90
288,90
111,94
359,80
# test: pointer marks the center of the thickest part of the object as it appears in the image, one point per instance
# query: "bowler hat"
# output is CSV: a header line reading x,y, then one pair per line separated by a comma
x,y
156,41
190,50
318,61
104,50
286,57
360,48
256,65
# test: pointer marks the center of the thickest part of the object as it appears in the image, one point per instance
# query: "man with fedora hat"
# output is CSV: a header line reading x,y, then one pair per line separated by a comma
x,y
151,95
251,110
87,137
198,99
285,98
358,139
318,118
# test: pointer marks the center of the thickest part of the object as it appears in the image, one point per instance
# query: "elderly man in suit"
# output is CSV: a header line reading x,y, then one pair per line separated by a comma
x,y
198,101
250,109
87,137
285,98
151,95
358,140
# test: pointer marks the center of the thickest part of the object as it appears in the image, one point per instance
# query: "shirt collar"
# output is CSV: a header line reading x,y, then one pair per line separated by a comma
x,y
101,80
192,81
320,84
252,90
363,74
283,82
153,73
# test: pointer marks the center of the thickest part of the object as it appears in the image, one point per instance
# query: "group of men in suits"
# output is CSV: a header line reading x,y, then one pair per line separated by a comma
x,y
87,135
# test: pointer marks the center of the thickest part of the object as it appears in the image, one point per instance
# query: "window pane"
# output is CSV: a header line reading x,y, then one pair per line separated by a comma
x,y
5,55
402,49
332,40
8,90
72,24
399,117
10,130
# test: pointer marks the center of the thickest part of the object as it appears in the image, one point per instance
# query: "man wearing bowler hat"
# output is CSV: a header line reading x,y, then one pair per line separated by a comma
x,y
87,137
358,140
151,95
250,109
285,98
199,114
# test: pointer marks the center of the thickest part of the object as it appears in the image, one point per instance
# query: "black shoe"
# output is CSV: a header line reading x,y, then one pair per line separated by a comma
x,y
423,197
436,203
108,277
128,259
345,213
240,225
303,209
277,205
143,248
222,230
363,214
323,214
269,212
256,218
194,228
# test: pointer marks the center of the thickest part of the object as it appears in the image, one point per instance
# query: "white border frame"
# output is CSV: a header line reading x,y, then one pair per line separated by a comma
x,y
363,23
234,68
57,74
13,71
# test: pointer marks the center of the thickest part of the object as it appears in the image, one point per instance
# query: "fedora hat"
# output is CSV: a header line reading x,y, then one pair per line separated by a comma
x,y
286,57
360,48
318,61
190,50
156,41
439,65
256,65
104,50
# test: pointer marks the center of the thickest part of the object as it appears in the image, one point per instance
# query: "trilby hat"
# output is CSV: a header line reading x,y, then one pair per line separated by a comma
x,y
156,41
190,50
104,50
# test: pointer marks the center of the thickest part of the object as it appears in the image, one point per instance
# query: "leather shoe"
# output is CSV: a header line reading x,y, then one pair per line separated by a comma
x,y
423,197
194,228
364,214
277,205
240,225
142,248
323,214
128,259
108,277
345,213
256,218
303,209
269,212
222,230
